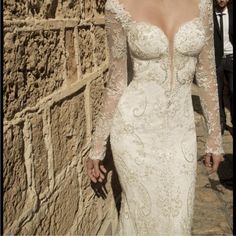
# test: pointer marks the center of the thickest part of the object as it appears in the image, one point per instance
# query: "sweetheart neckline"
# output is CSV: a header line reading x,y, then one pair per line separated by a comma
x,y
163,32
121,5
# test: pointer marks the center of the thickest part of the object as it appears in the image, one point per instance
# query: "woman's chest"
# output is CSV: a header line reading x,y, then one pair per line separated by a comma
x,y
149,41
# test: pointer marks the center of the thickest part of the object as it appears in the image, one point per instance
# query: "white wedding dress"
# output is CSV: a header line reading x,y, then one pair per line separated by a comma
x,y
151,120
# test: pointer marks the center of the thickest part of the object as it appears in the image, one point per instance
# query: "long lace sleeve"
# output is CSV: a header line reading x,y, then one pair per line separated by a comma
x,y
117,81
206,80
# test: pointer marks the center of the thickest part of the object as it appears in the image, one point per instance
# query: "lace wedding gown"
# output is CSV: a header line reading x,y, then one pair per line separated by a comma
x,y
151,120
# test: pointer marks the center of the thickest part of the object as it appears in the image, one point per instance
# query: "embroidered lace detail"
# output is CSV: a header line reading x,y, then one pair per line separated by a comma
x,y
119,50
151,125
118,9
206,79
115,85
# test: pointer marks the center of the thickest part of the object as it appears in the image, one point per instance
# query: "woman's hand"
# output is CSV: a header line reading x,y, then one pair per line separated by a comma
x,y
96,170
212,162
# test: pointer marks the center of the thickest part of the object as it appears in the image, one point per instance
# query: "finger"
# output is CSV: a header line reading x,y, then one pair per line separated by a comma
x,y
100,179
93,172
91,176
89,166
208,161
214,168
102,175
222,158
216,163
96,168
103,169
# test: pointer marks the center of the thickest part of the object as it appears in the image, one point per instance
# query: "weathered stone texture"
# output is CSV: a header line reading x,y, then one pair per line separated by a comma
x,y
56,216
71,65
14,174
69,9
55,69
100,7
34,72
88,7
15,9
68,130
66,205
39,154
100,45
41,222
23,9
85,45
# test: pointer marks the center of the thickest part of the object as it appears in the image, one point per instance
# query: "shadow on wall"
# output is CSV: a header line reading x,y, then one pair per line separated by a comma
x,y
100,188
115,184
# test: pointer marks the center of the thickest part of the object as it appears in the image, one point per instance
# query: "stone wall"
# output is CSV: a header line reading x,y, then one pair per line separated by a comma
x,y
55,67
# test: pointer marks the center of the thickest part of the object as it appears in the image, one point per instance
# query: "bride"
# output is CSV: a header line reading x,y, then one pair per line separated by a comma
x,y
150,120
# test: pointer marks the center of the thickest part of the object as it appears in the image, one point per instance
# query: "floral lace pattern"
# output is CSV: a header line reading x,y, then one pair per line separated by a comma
x,y
151,120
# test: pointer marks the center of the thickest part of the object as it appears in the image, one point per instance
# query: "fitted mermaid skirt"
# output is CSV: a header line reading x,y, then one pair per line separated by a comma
x,y
154,153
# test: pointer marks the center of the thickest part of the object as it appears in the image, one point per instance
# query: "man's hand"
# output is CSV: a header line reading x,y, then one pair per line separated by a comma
x,y
96,170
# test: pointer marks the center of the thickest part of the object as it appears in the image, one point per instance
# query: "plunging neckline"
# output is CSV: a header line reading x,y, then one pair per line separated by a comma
x,y
169,42
182,25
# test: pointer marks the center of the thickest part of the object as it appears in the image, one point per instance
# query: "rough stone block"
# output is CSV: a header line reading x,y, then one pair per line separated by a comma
x,y
56,216
66,205
68,130
87,9
15,9
100,7
33,68
69,9
100,45
39,154
71,65
23,9
86,47
14,175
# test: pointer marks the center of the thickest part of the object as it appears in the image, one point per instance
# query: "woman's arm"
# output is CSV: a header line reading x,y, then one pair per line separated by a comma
x,y
206,80
117,81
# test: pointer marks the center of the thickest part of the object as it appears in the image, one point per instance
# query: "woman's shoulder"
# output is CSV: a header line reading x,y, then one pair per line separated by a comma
x,y
206,8
206,3
117,8
117,5
112,5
